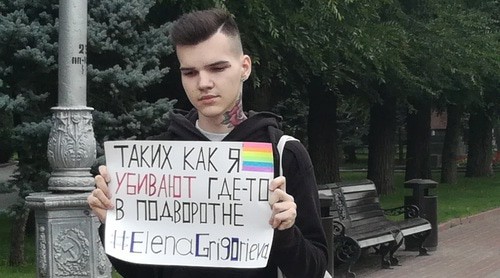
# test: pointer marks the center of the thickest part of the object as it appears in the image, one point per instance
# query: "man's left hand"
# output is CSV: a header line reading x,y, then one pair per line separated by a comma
x,y
282,204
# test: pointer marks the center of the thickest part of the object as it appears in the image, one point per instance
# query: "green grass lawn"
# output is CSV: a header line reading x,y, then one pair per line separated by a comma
x,y
469,196
28,270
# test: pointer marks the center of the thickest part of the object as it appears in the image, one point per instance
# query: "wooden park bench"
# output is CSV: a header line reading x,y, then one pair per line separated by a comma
x,y
359,223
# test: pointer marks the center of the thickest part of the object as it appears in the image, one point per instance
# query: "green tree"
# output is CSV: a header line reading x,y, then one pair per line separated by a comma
x,y
126,54
28,69
375,52
485,42
464,72
418,119
353,126
452,56
479,157
450,145
394,55
497,135
313,51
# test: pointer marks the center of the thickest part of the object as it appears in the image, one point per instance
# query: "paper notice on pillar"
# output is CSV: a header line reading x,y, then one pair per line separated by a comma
x,y
190,203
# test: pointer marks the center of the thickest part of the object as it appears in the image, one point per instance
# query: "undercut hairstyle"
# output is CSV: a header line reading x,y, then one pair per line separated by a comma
x,y
198,26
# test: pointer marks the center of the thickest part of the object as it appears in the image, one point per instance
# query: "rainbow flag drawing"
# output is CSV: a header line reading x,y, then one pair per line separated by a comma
x,y
257,157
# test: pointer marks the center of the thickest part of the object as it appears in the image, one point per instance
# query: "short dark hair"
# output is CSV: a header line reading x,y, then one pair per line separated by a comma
x,y
198,26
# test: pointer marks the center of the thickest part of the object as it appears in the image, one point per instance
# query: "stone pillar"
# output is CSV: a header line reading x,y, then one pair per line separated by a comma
x,y
67,241
66,237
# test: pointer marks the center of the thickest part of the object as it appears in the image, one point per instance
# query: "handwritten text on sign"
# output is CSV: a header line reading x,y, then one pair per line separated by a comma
x,y
190,203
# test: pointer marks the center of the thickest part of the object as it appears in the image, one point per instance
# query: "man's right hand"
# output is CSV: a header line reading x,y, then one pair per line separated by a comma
x,y
100,198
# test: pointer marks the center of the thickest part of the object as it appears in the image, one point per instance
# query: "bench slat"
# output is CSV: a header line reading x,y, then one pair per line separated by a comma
x,y
369,207
380,227
363,222
361,195
359,188
375,241
416,229
366,215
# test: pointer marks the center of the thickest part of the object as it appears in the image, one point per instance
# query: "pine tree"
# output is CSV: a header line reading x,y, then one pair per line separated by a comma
x,y
125,53
28,72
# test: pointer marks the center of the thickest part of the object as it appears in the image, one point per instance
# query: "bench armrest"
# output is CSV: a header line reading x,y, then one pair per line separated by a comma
x,y
411,211
338,228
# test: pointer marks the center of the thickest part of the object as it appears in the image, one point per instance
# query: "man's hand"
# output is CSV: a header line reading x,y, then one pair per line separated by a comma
x,y
100,198
282,204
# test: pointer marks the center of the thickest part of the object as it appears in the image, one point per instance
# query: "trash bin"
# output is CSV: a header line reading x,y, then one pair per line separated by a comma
x,y
327,221
423,198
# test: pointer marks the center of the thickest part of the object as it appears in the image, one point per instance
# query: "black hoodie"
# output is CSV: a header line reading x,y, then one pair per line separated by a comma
x,y
299,251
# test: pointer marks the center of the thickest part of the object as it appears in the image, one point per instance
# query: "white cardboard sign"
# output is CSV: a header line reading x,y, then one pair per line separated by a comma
x,y
190,203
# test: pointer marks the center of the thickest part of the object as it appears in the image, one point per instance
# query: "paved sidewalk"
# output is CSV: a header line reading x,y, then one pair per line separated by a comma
x,y
466,248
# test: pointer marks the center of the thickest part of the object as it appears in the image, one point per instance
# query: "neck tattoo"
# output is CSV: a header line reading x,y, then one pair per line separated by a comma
x,y
235,116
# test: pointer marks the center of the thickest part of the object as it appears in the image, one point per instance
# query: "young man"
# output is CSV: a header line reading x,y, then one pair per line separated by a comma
x,y
213,69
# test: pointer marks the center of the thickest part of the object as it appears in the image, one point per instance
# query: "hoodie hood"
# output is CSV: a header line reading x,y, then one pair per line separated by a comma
x,y
182,126
256,128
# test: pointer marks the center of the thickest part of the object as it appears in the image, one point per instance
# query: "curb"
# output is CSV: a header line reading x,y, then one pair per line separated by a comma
x,y
467,220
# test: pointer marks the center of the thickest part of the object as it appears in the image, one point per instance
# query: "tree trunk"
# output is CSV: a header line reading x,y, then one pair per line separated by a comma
x,y
260,99
450,145
381,145
6,127
322,133
497,136
496,132
418,164
17,236
479,155
350,154
401,145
